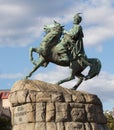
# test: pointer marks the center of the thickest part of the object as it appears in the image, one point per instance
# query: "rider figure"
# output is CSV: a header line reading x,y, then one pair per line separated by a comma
x,y
75,39
76,34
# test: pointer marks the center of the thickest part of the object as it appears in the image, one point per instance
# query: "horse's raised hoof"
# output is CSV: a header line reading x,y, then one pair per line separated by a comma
x,y
26,77
73,88
56,83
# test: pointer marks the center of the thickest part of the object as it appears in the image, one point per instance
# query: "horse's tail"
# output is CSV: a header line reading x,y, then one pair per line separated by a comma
x,y
94,68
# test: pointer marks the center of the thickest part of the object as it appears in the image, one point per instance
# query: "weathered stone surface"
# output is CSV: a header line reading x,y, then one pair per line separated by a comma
x,y
60,126
31,96
62,112
50,112
51,126
78,114
68,98
88,126
57,97
21,96
40,112
40,126
50,116
23,114
43,97
29,126
36,105
78,97
95,113
95,126
90,98
77,105
91,112
61,107
100,118
13,98
74,126
62,116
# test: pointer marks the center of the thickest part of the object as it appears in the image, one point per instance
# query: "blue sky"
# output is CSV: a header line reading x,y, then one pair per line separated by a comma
x,y
21,27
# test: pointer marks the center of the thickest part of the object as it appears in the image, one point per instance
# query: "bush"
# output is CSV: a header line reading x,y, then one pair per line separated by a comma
x,y
5,123
110,121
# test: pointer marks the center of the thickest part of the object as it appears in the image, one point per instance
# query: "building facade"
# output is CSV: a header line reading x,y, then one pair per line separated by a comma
x,y
4,98
4,103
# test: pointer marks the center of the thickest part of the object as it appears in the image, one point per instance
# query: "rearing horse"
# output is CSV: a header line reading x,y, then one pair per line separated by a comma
x,y
52,50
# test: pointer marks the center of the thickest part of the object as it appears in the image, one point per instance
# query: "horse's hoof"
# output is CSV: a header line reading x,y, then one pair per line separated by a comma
x,y
57,83
74,88
26,77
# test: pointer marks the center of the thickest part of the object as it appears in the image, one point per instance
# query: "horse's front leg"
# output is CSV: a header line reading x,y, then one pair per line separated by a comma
x,y
40,62
31,55
72,76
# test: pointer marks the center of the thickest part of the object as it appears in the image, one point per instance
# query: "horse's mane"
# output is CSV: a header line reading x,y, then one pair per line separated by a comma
x,y
52,36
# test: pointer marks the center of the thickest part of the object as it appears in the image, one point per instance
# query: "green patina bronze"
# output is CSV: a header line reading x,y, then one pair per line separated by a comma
x,y
65,48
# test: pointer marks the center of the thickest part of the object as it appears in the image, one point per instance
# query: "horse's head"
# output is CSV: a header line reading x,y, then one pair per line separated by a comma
x,y
58,27
48,28
53,34
54,27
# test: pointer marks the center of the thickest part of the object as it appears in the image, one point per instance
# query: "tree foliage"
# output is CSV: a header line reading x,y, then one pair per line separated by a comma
x,y
110,121
5,123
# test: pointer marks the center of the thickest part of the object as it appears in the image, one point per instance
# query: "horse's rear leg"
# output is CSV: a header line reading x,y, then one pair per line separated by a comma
x,y
72,76
40,62
80,79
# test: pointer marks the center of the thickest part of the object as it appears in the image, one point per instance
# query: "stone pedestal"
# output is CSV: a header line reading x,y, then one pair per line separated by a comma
x,y
36,105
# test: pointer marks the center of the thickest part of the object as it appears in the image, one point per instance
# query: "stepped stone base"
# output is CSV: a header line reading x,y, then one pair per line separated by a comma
x,y
36,105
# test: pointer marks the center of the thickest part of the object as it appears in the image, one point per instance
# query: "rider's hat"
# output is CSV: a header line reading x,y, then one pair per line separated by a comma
x,y
77,18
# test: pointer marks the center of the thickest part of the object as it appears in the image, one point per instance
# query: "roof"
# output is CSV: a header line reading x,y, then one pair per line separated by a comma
x,y
4,94
4,90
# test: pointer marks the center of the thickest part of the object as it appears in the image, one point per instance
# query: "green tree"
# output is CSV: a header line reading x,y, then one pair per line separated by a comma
x,y
5,123
110,121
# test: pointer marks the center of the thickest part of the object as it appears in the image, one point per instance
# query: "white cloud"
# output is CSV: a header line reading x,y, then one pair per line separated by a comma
x,y
22,21
99,20
54,75
97,35
11,76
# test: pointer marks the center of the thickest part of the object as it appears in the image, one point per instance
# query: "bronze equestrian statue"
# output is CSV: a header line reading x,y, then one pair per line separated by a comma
x,y
65,48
